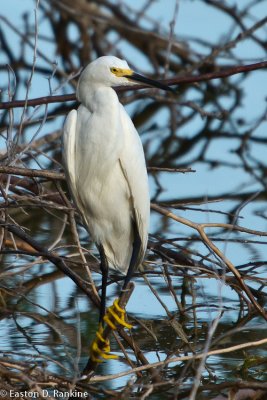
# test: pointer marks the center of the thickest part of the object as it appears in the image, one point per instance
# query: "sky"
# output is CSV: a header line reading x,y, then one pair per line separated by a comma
x,y
195,20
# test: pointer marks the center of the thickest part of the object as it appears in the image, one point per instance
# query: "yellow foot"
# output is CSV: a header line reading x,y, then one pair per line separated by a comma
x,y
115,315
100,347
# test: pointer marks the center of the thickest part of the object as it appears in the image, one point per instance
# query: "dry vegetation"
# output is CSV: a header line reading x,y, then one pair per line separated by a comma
x,y
42,238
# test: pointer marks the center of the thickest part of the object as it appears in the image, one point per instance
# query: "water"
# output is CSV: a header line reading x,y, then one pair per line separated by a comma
x,y
49,323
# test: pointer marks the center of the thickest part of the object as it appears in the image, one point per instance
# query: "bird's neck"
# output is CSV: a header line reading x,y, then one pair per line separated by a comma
x,y
97,97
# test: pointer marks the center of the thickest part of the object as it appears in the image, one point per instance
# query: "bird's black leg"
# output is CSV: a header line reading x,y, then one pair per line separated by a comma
x,y
133,262
104,270
116,314
100,347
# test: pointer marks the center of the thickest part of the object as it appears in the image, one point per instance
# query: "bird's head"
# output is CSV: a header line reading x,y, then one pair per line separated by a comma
x,y
112,71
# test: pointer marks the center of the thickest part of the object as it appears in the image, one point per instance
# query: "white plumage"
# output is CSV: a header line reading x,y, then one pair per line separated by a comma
x,y
105,164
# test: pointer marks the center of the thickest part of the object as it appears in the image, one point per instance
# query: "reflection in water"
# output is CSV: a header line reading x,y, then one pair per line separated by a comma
x,y
190,281
45,323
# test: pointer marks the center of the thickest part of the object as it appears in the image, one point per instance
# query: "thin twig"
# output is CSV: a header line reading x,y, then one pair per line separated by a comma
x,y
180,359
223,73
200,228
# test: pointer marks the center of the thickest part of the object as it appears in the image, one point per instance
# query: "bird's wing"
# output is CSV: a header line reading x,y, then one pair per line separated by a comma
x,y
69,150
133,166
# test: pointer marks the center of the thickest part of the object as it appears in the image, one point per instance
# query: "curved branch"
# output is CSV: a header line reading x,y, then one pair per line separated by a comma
x,y
200,228
223,73
32,173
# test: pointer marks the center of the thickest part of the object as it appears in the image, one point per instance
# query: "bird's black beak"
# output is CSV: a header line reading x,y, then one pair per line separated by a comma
x,y
151,82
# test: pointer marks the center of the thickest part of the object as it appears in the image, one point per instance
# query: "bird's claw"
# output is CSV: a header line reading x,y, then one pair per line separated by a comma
x,y
100,347
115,315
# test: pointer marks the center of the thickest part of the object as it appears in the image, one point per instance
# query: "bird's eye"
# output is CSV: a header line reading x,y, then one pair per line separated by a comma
x,y
114,70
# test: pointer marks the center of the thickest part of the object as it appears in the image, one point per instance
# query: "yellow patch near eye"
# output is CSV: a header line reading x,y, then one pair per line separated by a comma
x,y
120,72
114,70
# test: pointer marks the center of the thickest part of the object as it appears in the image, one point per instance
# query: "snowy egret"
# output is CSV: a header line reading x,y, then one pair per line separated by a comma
x,y
106,173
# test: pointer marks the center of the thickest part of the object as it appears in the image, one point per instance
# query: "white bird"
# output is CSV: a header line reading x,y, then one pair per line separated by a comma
x,y
105,168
